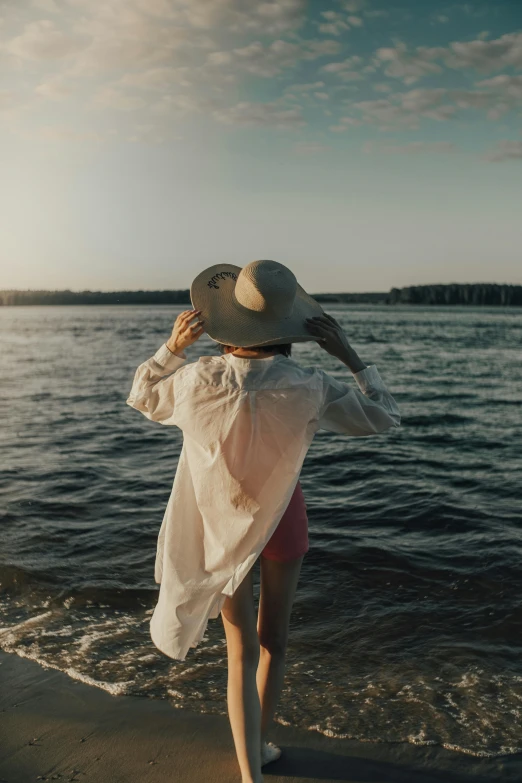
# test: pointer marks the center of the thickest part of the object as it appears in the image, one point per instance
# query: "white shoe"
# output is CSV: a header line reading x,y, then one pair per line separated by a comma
x,y
269,752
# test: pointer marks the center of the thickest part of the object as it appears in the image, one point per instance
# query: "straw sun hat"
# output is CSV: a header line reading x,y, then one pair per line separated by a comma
x,y
261,304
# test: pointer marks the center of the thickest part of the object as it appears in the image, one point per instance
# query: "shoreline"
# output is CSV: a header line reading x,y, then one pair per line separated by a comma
x,y
55,728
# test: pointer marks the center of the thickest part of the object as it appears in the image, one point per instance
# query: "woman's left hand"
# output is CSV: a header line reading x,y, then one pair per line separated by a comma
x,y
183,332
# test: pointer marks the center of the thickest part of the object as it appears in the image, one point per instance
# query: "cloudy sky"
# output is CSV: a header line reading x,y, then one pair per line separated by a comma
x,y
364,143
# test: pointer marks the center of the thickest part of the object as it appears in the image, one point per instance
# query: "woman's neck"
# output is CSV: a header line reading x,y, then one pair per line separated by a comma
x,y
249,353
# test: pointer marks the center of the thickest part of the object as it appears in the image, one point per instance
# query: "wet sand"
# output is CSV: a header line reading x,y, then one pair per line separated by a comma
x,y
55,728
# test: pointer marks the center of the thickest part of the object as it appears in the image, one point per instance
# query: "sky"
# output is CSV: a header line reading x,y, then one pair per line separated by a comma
x,y
365,144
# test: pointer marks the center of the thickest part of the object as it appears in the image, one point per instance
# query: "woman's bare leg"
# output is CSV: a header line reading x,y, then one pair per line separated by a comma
x,y
278,587
239,620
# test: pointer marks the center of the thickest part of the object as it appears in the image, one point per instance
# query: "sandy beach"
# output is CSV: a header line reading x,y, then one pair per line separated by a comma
x,y
55,728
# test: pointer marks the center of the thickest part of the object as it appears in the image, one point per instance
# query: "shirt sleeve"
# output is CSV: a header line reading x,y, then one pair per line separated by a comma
x,y
366,410
153,388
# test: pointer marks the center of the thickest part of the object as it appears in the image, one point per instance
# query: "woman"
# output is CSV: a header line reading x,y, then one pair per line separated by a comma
x,y
248,417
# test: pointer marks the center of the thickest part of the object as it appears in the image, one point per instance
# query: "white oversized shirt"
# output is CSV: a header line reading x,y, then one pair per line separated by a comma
x,y
247,425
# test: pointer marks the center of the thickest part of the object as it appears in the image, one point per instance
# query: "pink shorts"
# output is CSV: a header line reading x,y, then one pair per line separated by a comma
x,y
290,538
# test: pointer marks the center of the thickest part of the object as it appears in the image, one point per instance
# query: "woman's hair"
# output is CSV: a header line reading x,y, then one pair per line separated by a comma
x,y
285,348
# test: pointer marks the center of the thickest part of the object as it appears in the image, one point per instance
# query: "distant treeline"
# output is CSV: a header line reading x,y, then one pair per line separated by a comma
x,y
93,297
452,294
458,294
358,298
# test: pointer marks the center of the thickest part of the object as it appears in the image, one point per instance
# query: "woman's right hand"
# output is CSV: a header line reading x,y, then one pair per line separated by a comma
x,y
333,340
330,335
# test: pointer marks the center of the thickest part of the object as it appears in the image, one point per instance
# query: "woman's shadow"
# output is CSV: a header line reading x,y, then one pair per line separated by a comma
x,y
317,765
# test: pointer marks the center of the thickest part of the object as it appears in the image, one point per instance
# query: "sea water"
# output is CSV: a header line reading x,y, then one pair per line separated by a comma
x,y
407,620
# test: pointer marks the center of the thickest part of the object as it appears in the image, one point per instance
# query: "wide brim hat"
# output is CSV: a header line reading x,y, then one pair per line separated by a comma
x,y
259,304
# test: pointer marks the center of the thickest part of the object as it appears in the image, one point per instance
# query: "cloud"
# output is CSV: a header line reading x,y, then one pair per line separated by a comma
x,y
495,96
270,60
344,124
161,56
505,150
350,121
412,148
400,64
270,18
295,92
345,69
480,55
496,104
382,87
420,100
271,114
406,109
486,56
172,58
219,58
504,86
338,67
498,95
130,40
333,29
471,99
177,106
42,40
335,23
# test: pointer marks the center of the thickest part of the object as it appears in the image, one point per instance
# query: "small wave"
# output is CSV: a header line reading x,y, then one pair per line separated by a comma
x,y
415,739
114,688
8,634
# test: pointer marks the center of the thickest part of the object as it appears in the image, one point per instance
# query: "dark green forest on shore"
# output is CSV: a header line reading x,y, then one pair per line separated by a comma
x,y
451,294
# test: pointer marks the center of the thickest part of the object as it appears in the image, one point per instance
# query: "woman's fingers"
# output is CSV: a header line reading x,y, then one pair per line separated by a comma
x,y
316,323
332,319
324,324
320,333
183,320
322,318
186,315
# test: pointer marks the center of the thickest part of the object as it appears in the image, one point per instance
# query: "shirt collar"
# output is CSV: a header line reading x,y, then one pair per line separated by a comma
x,y
245,360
